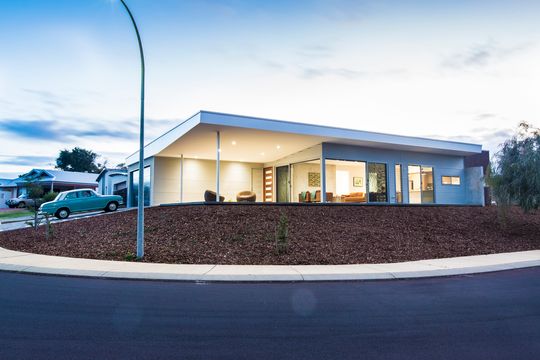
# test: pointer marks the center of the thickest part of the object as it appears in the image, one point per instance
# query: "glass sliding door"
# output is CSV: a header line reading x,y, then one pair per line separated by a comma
x,y
377,182
428,195
421,187
399,193
282,183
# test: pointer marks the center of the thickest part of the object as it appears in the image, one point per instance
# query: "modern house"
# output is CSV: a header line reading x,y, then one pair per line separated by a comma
x,y
56,180
113,182
284,161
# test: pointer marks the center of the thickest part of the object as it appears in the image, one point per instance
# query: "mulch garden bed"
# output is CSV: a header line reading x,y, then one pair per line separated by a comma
x,y
245,234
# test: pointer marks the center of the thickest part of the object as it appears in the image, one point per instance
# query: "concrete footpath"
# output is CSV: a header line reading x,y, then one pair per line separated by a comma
x,y
43,264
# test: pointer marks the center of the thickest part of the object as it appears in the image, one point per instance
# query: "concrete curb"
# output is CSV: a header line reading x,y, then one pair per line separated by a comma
x,y
56,265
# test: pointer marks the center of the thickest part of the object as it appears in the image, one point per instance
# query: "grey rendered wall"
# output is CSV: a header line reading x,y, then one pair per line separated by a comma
x,y
442,165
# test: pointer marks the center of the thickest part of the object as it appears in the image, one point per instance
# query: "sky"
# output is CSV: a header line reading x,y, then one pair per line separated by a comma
x,y
69,69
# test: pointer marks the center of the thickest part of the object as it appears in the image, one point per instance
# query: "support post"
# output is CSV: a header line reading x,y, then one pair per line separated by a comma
x,y
218,151
182,178
323,179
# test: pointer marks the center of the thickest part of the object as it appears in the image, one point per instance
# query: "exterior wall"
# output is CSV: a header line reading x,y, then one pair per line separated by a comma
x,y
5,195
474,185
442,165
166,180
108,181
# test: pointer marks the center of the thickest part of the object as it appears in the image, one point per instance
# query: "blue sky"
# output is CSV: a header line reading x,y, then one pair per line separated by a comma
x,y
69,70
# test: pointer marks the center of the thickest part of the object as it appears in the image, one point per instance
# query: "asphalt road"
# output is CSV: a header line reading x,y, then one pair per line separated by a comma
x,y
488,316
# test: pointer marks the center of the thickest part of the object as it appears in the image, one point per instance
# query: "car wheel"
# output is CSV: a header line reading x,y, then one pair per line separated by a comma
x,y
62,213
112,206
21,205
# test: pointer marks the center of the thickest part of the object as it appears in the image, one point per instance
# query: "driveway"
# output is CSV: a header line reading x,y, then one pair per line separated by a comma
x,y
19,223
487,316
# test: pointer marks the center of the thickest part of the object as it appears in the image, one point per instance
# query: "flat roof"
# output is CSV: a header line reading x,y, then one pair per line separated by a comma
x,y
205,122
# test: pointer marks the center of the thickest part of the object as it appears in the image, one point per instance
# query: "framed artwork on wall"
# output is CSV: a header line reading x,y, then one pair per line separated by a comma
x,y
314,179
358,181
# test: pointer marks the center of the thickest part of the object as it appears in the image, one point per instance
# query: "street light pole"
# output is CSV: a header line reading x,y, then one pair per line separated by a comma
x,y
140,191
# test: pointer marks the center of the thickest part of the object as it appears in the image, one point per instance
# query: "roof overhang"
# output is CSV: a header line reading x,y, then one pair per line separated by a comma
x,y
264,140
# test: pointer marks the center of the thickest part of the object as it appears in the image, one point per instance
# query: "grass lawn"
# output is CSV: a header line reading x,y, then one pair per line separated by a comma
x,y
11,214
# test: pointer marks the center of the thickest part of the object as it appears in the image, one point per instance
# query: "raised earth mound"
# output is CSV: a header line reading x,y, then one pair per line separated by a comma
x,y
245,234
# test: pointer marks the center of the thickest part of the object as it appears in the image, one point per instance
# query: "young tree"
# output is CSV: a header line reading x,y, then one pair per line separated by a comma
x,y
35,192
515,175
78,159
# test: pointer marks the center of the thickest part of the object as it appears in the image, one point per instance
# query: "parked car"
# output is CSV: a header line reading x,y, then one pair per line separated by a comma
x,y
21,201
68,202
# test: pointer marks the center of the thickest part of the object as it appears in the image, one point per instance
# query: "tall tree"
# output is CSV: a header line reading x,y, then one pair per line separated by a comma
x,y
78,159
515,174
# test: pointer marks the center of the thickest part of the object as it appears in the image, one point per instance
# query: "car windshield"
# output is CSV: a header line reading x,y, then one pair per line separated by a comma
x,y
59,197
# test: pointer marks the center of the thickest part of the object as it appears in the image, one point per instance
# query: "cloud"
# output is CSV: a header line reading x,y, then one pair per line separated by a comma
x,y
35,161
52,130
481,55
316,51
316,72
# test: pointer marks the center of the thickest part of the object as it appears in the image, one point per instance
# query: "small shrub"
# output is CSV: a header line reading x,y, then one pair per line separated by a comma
x,y
282,234
50,196
130,257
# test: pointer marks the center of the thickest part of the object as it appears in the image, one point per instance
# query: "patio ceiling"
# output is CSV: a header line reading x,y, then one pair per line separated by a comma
x,y
238,144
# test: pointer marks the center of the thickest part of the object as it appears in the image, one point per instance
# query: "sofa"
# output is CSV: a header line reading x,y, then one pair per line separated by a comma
x,y
354,197
314,196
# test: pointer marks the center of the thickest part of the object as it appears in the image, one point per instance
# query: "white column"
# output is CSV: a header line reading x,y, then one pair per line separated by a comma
x,y
323,179
218,150
181,178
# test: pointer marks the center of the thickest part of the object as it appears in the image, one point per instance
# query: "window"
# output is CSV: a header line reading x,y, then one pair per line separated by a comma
x,y
86,194
451,180
135,186
421,189
377,182
72,195
346,181
399,194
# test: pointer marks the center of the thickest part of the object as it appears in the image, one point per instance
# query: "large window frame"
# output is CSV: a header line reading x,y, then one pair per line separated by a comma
x,y
134,191
366,177
421,183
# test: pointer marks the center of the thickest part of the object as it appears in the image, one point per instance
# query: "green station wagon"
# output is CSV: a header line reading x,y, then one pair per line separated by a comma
x,y
68,202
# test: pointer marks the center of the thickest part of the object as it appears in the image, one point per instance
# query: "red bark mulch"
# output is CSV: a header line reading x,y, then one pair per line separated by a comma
x,y
244,234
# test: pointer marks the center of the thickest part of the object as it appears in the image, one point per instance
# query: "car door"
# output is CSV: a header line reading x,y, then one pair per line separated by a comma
x,y
89,200
71,201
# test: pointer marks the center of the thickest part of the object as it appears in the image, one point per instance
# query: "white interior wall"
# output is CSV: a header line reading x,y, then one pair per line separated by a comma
x,y
300,178
200,175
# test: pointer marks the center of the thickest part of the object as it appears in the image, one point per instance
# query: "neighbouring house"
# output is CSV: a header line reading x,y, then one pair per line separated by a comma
x,y
55,180
113,182
283,161
8,190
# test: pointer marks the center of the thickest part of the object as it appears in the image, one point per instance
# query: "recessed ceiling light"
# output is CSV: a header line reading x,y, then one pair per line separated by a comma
x,y
278,147
262,154
233,142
